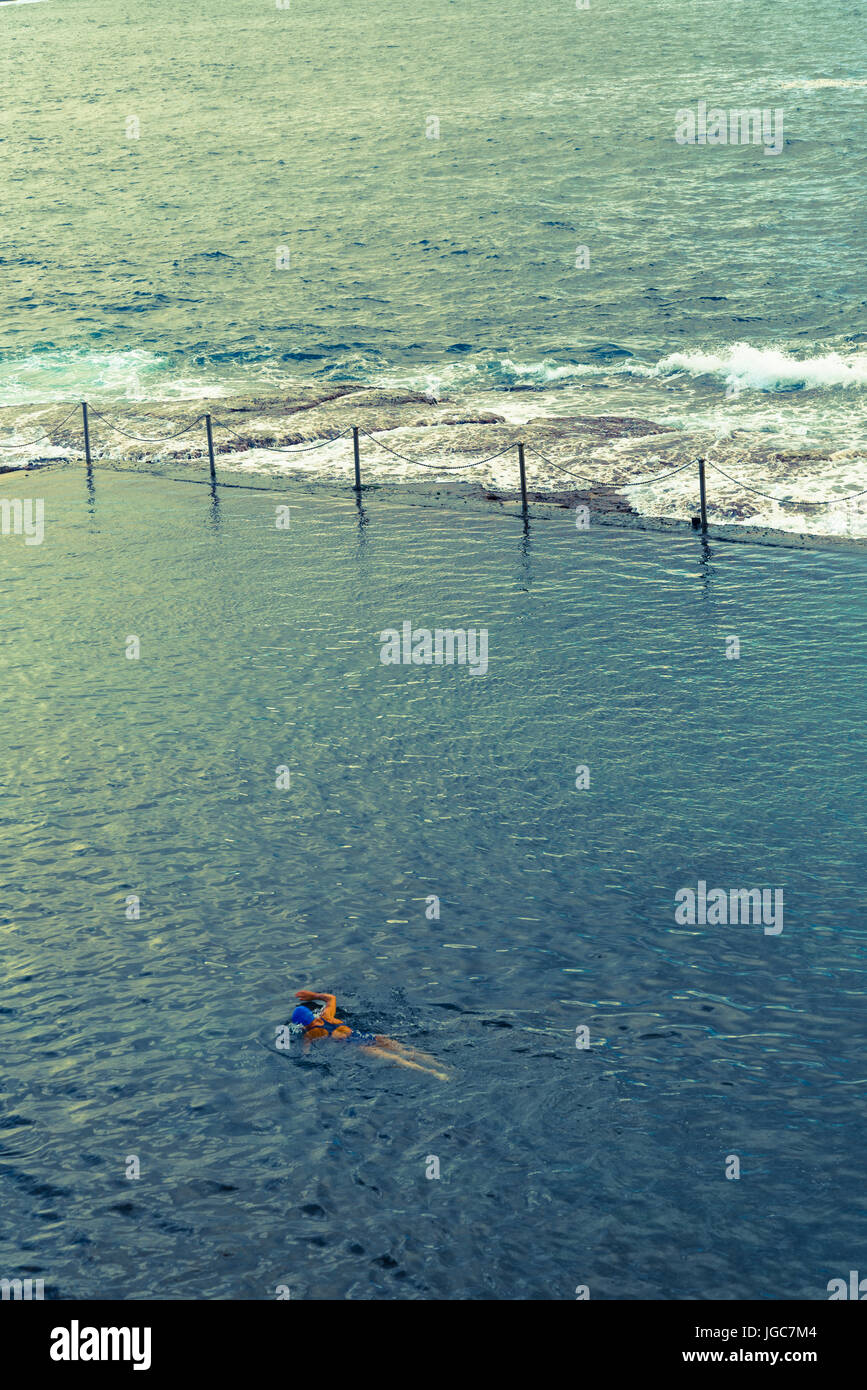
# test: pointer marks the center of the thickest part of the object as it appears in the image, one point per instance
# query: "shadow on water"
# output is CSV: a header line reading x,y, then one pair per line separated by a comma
x,y
525,559
707,569
214,514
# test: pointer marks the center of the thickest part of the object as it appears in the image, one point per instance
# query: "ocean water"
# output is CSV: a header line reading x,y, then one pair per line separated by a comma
x,y
427,177
154,1036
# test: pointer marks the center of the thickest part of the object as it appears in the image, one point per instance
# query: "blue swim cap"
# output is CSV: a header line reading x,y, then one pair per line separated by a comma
x,y
302,1016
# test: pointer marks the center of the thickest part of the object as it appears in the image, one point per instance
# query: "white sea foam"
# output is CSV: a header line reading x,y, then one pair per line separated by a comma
x,y
742,367
138,374
134,374
739,367
817,84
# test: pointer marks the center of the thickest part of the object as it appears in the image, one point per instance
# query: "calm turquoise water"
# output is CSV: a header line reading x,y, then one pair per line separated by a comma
x,y
156,1037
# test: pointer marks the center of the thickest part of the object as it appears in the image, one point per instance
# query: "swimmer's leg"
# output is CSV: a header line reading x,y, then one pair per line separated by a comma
x,y
388,1054
392,1046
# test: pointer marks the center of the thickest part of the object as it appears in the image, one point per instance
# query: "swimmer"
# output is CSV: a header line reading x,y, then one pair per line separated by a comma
x,y
324,1023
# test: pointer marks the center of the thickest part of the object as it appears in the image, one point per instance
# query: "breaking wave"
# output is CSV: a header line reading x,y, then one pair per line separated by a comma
x,y
138,374
741,368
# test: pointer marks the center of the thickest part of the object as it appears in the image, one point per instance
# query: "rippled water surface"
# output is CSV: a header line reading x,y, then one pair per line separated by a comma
x,y
462,197
309,127
156,777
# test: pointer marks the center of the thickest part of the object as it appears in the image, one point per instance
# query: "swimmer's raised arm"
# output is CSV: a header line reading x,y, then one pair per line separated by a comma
x,y
329,1013
330,1009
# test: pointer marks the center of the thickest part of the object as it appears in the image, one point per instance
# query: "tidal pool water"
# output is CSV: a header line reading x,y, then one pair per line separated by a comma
x,y
154,777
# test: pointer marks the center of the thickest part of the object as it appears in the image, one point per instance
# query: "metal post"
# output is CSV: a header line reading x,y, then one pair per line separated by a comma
x,y
523,479
210,448
703,495
86,433
357,458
